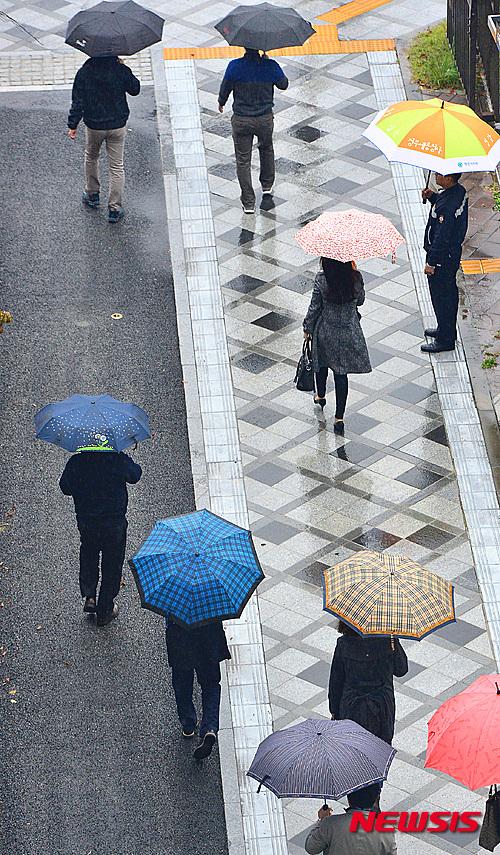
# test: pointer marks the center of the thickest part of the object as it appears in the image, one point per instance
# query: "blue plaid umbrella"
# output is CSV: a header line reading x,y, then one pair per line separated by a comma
x,y
196,568
92,421
321,759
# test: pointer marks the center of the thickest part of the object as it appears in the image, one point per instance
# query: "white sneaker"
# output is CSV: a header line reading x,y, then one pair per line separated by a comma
x,y
268,192
248,210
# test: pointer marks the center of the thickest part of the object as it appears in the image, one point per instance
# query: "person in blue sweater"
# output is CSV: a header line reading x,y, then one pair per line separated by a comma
x,y
252,79
97,477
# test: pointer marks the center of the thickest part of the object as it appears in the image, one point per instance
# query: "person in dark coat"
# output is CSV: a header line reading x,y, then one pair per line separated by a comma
x,y
199,649
252,79
361,684
97,477
333,323
99,97
444,235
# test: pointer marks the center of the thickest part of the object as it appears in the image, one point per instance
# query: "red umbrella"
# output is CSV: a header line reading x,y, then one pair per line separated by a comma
x,y
464,733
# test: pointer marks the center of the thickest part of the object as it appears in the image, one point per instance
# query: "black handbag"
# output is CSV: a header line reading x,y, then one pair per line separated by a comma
x,y
489,836
304,376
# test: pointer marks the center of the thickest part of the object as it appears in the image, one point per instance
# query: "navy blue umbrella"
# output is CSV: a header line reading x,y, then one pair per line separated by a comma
x,y
197,568
318,758
92,422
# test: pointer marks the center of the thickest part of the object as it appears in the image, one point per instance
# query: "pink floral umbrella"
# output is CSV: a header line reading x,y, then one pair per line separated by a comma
x,y
350,236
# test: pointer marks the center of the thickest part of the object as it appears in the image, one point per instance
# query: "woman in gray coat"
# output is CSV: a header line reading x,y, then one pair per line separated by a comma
x,y
332,321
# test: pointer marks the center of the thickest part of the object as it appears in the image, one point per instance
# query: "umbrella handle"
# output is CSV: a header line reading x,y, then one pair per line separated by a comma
x,y
424,201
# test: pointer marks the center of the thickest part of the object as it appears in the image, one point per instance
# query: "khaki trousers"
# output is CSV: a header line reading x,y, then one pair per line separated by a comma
x,y
115,142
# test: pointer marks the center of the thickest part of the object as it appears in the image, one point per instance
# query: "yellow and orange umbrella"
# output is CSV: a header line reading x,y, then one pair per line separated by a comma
x,y
436,135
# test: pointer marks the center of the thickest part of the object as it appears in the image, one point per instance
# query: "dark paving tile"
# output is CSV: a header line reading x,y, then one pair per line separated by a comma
x,y
50,5
438,435
276,532
359,424
275,321
420,478
459,633
413,669
312,574
353,452
468,580
300,839
363,153
222,129
364,77
301,284
430,537
262,417
460,839
339,186
223,170
375,538
306,133
254,362
211,85
244,284
288,167
270,474
378,357
411,393
267,203
355,111
319,674
238,237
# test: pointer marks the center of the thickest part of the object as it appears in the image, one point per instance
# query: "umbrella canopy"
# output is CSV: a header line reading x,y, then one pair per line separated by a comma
x,y
196,568
321,759
114,29
436,135
97,422
264,27
463,734
349,235
380,594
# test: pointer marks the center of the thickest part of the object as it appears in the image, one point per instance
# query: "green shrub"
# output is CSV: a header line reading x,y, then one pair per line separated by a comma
x,y
431,60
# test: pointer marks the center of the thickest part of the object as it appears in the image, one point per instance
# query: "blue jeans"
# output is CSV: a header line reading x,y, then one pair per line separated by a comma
x,y
208,677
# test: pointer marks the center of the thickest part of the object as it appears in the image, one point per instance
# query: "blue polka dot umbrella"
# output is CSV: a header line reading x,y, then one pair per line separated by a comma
x,y
94,422
323,759
196,568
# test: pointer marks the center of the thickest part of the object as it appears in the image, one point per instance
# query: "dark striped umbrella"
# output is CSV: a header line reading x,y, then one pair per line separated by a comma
x,y
321,759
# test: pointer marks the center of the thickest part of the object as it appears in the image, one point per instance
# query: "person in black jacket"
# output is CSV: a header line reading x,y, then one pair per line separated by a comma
x,y
361,681
97,480
99,98
444,235
199,649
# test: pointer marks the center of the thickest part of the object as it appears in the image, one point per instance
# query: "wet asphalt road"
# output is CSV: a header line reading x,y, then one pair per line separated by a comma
x,y
91,761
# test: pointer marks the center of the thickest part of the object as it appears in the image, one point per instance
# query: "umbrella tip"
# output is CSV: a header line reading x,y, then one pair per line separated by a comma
x,y
498,689
442,105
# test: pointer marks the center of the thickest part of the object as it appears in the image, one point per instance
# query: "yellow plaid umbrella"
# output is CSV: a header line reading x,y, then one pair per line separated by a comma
x,y
380,594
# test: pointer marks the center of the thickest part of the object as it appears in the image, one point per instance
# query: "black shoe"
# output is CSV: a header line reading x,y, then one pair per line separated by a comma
x,y
89,607
435,347
91,200
115,215
103,620
338,426
321,402
187,732
431,333
204,749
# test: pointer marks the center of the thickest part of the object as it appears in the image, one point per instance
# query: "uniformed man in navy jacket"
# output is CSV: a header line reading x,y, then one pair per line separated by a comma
x,y
444,235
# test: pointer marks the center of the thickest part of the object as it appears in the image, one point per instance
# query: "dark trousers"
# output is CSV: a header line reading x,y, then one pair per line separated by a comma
x,y
341,389
106,539
444,297
208,676
245,128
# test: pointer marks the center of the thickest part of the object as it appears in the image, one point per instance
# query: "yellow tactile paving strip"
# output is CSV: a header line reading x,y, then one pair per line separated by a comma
x,y
479,266
325,40
351,10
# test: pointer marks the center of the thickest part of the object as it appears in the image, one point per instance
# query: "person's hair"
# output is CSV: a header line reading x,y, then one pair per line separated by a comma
x,y
456,176
251,53
365,798
340,278
345,629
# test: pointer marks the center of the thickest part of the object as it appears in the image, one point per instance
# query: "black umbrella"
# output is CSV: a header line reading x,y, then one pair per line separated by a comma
x,y
114,29
264,27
